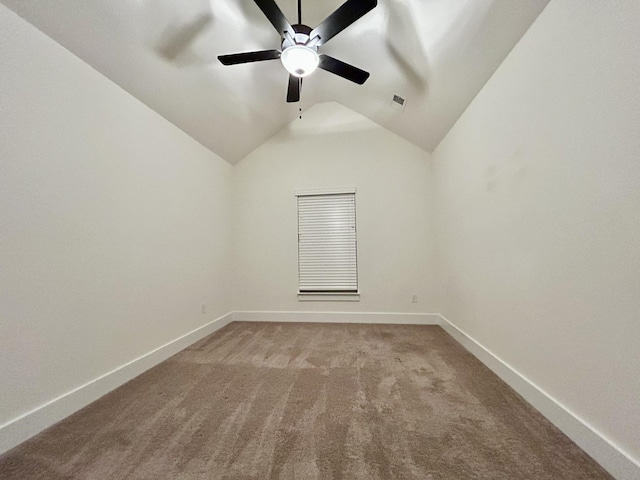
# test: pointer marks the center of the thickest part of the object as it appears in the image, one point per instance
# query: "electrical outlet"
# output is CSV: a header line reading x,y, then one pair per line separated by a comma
x,y
414,298
203,308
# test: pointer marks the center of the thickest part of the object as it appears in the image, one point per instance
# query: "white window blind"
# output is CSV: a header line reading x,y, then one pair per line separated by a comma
x,y
327,254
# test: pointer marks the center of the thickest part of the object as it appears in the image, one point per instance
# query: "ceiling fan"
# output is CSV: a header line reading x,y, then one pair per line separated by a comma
x,y
299,48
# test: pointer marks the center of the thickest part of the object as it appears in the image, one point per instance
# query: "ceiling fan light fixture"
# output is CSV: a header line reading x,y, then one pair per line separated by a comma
x,y
300,60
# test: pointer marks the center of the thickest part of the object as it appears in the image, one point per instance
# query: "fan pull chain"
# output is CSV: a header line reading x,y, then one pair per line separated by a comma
x,y
299,100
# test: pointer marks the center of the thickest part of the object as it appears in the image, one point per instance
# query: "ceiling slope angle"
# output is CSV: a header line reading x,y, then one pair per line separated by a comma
x,y
437,55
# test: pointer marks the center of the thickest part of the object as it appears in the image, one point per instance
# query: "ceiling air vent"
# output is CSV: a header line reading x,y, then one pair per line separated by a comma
x,y
398,102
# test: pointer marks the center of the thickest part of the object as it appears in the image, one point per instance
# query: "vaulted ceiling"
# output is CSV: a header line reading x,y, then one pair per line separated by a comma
x,y
436,54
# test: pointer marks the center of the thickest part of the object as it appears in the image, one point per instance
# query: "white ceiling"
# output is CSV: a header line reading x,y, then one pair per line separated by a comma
x,y
437,54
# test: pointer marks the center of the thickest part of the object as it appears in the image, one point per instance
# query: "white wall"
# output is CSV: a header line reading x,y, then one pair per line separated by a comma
x,y
114,224
334,147
538,207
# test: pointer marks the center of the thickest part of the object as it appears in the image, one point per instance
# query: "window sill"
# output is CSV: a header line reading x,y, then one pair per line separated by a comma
x,y
328,297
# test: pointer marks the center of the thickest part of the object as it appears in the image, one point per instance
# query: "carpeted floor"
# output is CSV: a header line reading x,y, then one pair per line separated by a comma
x,y
308,401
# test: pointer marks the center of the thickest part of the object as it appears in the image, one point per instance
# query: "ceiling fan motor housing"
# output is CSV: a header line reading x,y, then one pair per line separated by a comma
x,y
300,52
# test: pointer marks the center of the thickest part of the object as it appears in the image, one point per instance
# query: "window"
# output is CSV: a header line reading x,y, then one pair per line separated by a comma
x,y
327,253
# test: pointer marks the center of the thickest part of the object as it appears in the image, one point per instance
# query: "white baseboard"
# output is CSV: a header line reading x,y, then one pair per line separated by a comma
x,y
340,317
617,462
22,428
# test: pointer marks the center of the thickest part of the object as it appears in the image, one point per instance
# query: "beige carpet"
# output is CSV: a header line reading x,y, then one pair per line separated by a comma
x,y
308,401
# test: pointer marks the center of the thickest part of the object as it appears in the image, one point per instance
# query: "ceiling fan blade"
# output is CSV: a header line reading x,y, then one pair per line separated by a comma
x,y
275,16
342,69
345,15
236,58
175,40
293,91
404,44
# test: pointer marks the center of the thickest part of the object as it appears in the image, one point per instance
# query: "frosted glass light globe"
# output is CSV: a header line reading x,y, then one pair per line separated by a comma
x,y
300,60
